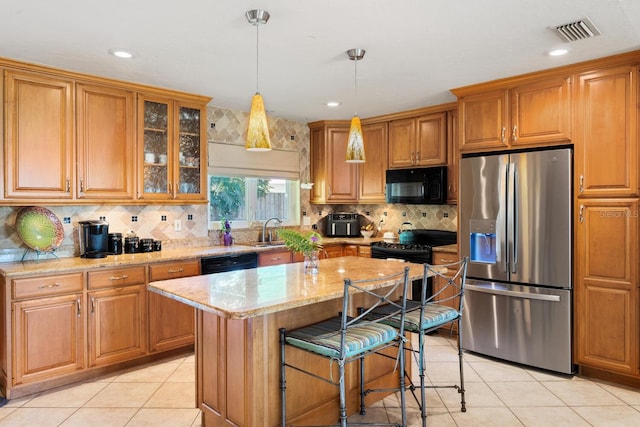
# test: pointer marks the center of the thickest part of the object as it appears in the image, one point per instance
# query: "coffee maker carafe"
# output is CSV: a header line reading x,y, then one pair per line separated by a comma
x,y
92,238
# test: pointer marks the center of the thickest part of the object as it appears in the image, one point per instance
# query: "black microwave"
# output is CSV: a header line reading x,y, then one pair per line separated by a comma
x,y
420,186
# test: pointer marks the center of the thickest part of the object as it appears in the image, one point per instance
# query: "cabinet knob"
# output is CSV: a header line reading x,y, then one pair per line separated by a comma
x,y
504,130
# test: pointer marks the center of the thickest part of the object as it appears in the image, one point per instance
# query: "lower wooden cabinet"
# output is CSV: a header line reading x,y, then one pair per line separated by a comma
x,y
171,323
332,251
47,337
606,286
117,324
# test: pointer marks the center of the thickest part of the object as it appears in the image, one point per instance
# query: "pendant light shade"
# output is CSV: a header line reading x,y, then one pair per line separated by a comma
x,y
257,131
355,145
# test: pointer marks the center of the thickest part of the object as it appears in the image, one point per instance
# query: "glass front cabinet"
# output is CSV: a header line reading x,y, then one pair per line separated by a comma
x,y
172,149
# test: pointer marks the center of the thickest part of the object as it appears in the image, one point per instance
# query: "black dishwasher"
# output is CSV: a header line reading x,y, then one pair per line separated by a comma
x,y
222,263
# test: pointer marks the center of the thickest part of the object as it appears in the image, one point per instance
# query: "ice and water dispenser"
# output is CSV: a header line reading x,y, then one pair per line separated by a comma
x,y
482,241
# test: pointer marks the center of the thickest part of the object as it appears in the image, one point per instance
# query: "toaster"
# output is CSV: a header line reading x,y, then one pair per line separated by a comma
x,y
343,225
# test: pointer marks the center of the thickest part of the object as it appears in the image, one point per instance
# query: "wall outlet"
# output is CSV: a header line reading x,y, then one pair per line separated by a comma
x,y
306,220
177,225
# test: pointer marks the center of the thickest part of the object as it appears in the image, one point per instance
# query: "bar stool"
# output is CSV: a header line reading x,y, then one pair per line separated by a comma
x,y
344,339
444,307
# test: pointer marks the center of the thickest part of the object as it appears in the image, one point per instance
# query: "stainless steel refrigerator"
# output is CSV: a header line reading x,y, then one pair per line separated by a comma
x,y
515,223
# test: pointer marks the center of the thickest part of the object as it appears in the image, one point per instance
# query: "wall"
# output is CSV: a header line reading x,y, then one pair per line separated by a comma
x,y
156,221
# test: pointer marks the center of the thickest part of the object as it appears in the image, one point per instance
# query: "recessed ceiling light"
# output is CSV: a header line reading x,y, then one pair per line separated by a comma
x,y
558,52
121,53
333,104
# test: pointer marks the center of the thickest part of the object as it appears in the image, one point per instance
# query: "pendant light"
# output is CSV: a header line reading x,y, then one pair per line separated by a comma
x,y
258,131
355,146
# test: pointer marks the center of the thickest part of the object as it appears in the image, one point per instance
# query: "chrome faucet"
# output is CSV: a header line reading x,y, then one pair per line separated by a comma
x,y
264,228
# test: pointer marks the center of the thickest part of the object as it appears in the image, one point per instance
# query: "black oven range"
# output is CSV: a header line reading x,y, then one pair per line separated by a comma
x,y
418,252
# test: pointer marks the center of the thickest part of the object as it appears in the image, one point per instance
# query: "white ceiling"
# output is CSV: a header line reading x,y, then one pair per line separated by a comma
x,y
416,49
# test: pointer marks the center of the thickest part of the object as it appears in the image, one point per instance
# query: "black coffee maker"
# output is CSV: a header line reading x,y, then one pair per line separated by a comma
x,y
92,238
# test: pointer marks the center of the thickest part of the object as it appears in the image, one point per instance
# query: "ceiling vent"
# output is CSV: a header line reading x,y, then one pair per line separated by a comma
x,y
578,30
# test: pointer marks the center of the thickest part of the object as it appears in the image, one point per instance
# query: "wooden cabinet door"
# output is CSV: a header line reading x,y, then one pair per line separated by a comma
x,y
431,140
47,338
342,176
606,153
171,323
189,152
541,112
105,122
318,165
484,119
606,285
274,257
372,173
332,251
39,137
155,153
117,325
350,250
453,155
402,143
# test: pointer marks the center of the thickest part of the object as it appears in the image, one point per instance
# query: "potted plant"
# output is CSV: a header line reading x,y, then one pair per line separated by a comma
x,y
308,243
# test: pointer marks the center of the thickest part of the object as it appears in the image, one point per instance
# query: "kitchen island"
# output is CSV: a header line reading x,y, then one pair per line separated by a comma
x,y
237,350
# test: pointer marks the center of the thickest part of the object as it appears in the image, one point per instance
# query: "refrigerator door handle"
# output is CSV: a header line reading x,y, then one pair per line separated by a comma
x,y
511,212
523,295
514,222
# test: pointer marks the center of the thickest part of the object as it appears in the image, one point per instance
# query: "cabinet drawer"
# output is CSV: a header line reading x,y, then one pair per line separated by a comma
x,y
46,285
117,277
274,258
364,251
173,270
440,258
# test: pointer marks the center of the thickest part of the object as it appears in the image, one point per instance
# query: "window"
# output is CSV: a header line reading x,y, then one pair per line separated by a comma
x,y
243,200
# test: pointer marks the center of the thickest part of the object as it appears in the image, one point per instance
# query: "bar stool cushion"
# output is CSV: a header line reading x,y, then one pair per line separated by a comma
x,y
434,316
324,337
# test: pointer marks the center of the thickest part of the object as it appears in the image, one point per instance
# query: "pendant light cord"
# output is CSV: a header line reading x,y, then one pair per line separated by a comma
x,y
257,56
355,87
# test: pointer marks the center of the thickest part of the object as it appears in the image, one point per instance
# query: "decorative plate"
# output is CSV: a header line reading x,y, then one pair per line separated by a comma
x,y
39,228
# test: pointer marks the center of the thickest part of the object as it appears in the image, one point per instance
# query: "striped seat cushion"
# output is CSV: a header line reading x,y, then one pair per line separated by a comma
x,y
324,337
434,316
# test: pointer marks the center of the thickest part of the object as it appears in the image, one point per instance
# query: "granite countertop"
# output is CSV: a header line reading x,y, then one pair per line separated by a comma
x,y
50,266
263,290
70,264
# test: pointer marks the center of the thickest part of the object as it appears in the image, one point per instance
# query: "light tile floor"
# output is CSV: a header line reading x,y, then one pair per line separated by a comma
x,y
498,394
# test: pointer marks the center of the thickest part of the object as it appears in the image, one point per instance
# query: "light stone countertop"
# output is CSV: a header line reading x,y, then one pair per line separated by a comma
x,y
263,290
49,265
70,264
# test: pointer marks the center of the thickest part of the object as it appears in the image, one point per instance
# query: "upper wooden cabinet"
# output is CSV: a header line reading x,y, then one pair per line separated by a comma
x,y
453,156
418,141
105,141
371,173
335,181
171,146
606,152
536,113
71,139
39,145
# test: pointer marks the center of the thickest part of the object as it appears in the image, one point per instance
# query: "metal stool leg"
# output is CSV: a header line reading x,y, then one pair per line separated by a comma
x,y
463,404
423,397
283,381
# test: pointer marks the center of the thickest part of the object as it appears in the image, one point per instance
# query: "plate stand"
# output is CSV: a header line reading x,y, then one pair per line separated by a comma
x,y
38,253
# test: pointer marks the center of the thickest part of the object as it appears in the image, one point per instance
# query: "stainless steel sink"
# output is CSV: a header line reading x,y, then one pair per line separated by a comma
x,y
269,245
